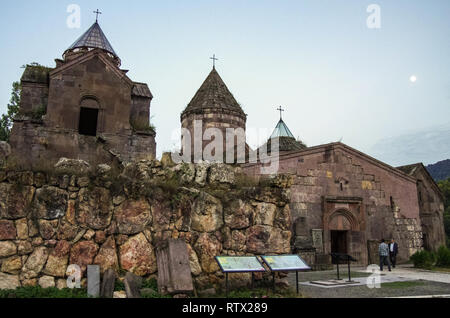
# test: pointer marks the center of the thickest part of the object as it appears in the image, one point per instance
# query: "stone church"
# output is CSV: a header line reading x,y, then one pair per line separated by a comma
x,y
84,108
341,200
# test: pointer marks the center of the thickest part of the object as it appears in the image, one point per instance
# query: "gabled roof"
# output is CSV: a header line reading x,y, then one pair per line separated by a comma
x,y
101,55
213,94
141,90
340,146
93,38
412,171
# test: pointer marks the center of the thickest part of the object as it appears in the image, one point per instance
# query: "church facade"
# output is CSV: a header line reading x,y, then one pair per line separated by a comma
x,y
342,200
85,108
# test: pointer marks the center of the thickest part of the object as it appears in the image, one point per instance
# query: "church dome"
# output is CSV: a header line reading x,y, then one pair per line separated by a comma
x,y
285,138
93,38
214,95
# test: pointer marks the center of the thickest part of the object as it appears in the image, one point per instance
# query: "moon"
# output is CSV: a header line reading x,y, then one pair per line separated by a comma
x,y
413,78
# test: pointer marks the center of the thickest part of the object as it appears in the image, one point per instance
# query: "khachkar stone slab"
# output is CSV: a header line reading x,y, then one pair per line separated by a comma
x,y
93,280
132,285
108,282
317,239
174,271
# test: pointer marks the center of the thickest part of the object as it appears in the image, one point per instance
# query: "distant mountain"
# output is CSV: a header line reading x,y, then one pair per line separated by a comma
x,y
440,171
426,145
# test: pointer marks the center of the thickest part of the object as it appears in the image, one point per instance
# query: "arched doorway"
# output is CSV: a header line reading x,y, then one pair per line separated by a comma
x,y
340,225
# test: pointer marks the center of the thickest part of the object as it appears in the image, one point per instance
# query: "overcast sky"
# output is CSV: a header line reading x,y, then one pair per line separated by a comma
x,y
336,78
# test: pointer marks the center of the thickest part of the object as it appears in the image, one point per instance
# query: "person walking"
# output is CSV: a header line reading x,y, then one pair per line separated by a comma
x,y
383,250
393,251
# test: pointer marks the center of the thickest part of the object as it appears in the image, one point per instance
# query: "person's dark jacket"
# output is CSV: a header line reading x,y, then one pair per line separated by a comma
x,y
395,248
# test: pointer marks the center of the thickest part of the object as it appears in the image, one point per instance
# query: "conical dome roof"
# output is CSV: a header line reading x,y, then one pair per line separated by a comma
x,y
93,38
213,94
281,130
286,140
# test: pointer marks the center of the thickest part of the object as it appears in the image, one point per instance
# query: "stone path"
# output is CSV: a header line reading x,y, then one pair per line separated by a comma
x,y
362,281
407,271
429,284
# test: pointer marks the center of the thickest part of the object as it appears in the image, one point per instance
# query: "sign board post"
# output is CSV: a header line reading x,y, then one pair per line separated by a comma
x,y
239,264
285,263
338,257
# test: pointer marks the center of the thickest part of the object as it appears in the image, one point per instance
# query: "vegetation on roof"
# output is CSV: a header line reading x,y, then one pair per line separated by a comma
x,y
36,73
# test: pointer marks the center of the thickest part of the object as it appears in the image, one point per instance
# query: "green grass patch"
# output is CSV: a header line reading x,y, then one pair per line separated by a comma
x,y
150,283
258,293
397,285
441,269
39,292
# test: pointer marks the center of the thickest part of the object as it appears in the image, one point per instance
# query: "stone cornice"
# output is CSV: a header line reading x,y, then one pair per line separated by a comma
x,y
345,148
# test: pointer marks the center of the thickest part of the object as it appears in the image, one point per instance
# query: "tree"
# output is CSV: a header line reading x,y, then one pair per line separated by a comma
x,y
445,188
7,119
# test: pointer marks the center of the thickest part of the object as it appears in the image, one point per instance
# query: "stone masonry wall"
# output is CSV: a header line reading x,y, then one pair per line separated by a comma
x,y
378,201
78,214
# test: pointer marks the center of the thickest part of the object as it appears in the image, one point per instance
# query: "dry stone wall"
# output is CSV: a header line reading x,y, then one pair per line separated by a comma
x,y
117,218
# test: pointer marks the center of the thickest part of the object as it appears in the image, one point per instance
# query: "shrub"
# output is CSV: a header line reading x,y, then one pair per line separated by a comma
x,y
142,126
423,259
443,257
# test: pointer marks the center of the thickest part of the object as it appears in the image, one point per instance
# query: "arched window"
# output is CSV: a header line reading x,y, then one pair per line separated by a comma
x,y
88,122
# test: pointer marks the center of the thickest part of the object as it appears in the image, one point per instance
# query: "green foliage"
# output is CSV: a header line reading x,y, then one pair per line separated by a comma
x,y
6,121
443,257
142,126
39,292
423,259
119,285
37,113
150,283
445,188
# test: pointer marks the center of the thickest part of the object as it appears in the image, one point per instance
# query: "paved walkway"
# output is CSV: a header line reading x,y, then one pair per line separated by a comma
x,y
429,284
407,271
362,281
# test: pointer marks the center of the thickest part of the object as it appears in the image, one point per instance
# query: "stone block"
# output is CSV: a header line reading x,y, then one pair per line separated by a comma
x,y
108,282
132,285
93,281
9,281
174,271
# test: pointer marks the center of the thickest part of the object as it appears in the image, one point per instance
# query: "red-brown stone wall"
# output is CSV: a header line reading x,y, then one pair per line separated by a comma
x,y
91,78
357,184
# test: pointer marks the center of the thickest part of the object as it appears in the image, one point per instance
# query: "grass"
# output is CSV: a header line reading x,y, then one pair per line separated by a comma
x,y
398,285
258,293
440,269
142,126
39,292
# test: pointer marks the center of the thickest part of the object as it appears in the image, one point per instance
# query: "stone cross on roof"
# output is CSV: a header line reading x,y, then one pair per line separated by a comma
x,y
281,112
97,13
214,60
